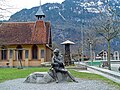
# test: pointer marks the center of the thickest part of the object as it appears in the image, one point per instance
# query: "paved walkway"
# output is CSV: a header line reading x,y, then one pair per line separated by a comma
x,y
112,75
18,84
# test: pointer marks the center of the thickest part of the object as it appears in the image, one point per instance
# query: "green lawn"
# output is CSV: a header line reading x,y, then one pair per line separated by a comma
x,y
91,76
13,73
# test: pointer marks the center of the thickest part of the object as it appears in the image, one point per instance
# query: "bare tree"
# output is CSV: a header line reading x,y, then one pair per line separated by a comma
x,y
109,29
91,38
4,8
107,25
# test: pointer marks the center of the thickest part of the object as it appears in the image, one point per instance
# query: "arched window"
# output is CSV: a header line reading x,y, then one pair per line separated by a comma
x,y
4,53
34,52
19,48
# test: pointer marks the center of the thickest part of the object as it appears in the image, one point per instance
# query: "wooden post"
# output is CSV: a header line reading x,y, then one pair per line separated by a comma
x,y
67,54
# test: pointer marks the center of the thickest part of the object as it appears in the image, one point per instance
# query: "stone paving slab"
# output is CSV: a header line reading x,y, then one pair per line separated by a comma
x,y
18,84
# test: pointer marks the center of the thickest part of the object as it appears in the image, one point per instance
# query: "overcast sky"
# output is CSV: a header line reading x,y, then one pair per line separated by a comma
x,y
31,3
17,5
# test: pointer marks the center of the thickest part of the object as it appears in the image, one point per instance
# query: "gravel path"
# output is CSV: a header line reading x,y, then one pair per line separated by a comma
x,y
18,84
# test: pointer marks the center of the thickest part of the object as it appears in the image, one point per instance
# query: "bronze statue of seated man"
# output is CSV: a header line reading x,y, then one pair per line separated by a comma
x,y
57,65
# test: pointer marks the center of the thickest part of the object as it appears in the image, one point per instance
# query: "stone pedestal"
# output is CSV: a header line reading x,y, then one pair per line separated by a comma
x,y
39,77
45,77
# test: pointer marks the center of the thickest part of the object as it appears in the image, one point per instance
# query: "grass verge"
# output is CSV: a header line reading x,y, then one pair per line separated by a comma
x,y
14,73
91,76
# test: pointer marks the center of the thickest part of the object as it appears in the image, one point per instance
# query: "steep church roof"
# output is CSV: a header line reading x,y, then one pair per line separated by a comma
x,y
38,32
24,33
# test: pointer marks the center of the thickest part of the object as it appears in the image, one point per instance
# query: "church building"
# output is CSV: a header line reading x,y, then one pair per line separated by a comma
x,y
27,42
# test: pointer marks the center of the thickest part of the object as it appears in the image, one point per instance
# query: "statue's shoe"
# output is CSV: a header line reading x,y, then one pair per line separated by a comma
x,y
76,81
56,81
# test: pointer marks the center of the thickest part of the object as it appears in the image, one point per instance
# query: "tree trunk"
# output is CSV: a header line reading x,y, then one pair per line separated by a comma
x,y
109,62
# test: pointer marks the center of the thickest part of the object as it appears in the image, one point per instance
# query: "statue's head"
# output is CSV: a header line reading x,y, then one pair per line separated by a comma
x,y
56,52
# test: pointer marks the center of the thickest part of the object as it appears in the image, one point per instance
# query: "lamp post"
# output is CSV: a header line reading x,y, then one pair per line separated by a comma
x,y
91,55
82,57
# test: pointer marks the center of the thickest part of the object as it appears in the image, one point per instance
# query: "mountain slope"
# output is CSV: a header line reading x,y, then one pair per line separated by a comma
x,y
67,17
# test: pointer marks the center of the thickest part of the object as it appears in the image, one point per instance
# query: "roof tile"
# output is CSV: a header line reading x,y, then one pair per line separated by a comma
x,y
24,32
